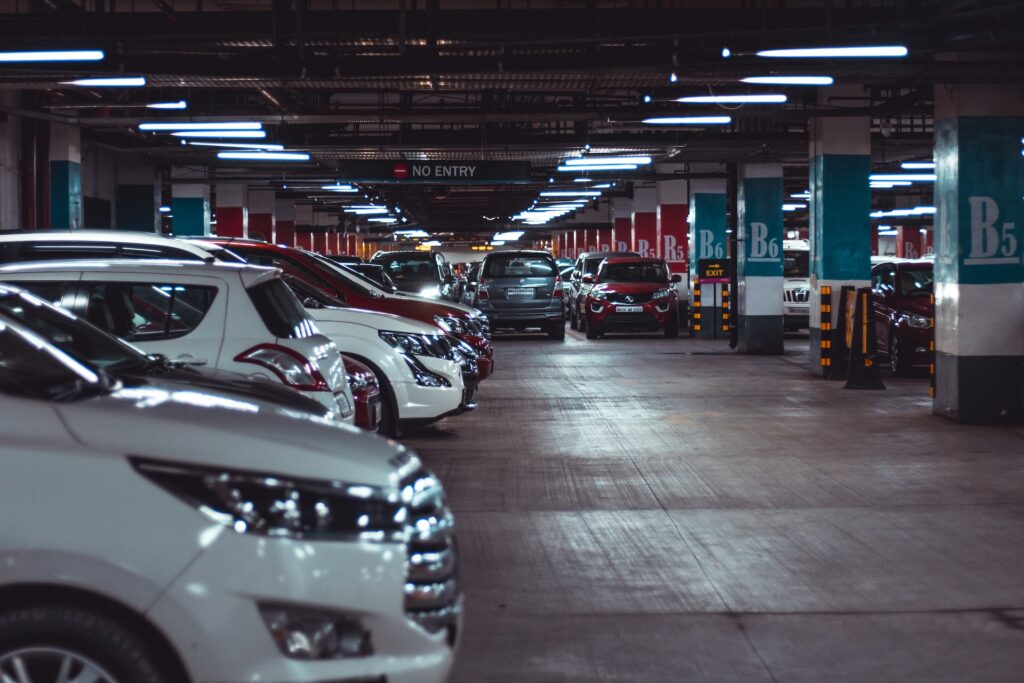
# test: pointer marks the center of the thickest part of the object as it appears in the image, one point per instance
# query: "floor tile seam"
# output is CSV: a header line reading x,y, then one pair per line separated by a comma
x,y
734,509
982,610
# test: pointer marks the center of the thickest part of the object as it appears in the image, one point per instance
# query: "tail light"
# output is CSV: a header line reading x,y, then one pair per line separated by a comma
x,y
558,293
291,367
481,290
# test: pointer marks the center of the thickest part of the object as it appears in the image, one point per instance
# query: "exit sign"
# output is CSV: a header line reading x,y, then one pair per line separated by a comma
x,y
713,271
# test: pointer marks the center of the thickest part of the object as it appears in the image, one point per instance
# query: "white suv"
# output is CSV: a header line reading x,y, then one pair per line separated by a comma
x,y
796,284
156,535
226,316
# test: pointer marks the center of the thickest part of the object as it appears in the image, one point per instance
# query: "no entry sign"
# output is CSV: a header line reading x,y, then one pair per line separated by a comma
x,y
444,172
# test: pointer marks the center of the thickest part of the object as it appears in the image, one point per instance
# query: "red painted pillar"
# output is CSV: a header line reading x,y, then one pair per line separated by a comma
x,y
644,236
910,243
261,214
672,236
232,210
604,239
622,224
874,240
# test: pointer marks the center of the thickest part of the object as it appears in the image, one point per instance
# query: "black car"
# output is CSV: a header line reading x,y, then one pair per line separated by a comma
x,y
376,273
91,345
421,273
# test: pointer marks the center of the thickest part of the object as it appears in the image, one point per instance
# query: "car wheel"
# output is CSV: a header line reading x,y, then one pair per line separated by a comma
x,y
672,327
593,333
581,321
556,330
389,417
897,358
53,643
573,322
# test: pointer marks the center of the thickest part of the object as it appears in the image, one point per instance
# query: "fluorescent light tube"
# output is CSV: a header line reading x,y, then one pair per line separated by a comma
x,y
339,188
241,145
793,207
180,104
384,219
789,80
570,193
603,161
53,56
119,82
918,165
734,99
509,236
916,177
209,125
165,209
596,167
583,180
688,120
252,134
837,52
801,195
264,156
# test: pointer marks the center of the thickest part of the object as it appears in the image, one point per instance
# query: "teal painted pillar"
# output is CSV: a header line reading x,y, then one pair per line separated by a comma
x,y
979,281
190,209
708,240
760,323
65,176
840,207
137,195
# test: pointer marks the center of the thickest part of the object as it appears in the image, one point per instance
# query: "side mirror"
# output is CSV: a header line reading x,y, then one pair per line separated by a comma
x,y
588,279
676,277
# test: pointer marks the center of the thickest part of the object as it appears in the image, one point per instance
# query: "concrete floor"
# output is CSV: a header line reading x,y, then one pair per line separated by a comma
x,y
643,509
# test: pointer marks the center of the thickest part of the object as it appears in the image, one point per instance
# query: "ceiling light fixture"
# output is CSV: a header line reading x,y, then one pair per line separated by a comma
x,y
598,167
837,52
119,82
338,187
916,211
195,125
601,161
180,104
267,146
789,80
688,120
734,99
793,207
52,56
570,193
511,236
918,165
264,156
913,177
251,134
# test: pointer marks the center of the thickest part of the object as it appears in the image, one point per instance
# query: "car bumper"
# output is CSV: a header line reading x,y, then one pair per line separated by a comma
x,y
796,317
210,612
422,404
485,361
915,344
336,403
519,317
653,316
368,410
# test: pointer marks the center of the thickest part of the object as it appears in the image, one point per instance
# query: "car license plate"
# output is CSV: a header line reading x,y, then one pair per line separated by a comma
x,y
629,309
519,291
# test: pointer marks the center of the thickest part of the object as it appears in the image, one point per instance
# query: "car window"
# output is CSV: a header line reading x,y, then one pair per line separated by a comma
x,y
70,334
883,280
916,282
147,311
633,272
519,265
31,368
591,265
310,296
410,271
281,311
50,292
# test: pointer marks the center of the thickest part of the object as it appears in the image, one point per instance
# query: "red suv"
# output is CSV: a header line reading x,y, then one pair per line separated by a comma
x,y
902,299
631,293
361,292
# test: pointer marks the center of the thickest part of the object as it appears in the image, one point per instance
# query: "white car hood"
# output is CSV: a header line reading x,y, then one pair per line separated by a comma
x,y
374,319
796,283
201,427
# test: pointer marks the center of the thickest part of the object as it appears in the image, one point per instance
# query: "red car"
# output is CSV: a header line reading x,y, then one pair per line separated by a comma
x,y
631,293
365,394
354,289
901,295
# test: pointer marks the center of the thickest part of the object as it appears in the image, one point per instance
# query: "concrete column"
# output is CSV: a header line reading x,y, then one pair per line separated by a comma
x,y
840,204
261,214
98,171
190,202
979,237
232,210
759,261
622,223
644,235
65,176
560,250
672,228
707,240
137,195
325,223
10,164
284,222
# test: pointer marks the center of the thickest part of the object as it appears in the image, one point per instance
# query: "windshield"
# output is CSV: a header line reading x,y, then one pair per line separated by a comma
x,y
32,368
634,272
356,281
75,337
796,264
917,282
410,272
591,265
519,265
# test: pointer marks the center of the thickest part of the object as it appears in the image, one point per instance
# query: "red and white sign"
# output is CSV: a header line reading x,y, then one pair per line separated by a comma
x,y
401,170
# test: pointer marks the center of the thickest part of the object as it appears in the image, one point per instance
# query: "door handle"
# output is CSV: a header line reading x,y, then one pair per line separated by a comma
x,y
189,359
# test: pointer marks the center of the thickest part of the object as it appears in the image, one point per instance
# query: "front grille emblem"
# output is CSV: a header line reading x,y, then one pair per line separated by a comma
x,y
629,299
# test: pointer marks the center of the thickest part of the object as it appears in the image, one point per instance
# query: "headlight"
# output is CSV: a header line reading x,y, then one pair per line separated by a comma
x,y
451,324
269,505
918,321
464,349
423,376
416,344
598,294
661,294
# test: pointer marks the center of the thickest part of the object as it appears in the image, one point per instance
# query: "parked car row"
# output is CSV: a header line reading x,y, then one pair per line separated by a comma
x,y
155,383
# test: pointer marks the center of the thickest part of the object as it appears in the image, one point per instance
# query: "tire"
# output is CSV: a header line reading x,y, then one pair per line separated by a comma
x,y
556,330
42,637
672,327
897,358
573,322
593,333
581,321
389,417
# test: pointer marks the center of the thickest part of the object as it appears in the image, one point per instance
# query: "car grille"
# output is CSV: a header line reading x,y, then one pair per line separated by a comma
x,y
632,298
796,296
480,327
432,587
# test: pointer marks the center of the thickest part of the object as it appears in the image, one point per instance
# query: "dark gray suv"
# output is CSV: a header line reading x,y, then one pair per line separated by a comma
x,y
521,289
